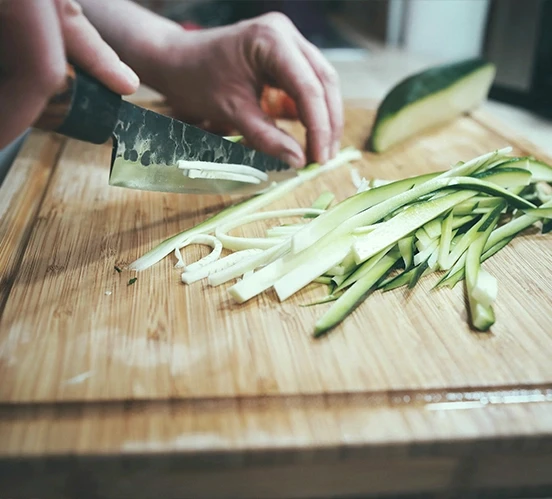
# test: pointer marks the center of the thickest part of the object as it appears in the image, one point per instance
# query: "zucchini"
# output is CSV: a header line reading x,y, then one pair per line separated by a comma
x,y
540,171
428,99
480,284
355,295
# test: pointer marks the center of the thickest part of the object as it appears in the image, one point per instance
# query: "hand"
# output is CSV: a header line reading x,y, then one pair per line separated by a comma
x,y
36,39
218,74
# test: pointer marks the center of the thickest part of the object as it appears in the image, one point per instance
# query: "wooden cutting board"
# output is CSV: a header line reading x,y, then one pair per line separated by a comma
x,y
91,365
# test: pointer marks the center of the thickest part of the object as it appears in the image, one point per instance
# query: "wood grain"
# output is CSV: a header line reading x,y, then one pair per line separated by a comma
x,y
22,192
163,368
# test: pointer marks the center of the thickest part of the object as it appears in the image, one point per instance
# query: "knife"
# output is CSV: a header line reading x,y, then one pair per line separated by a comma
x,y
146,146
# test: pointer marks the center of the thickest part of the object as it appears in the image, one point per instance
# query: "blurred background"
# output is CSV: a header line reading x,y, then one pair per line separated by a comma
x,y
511,33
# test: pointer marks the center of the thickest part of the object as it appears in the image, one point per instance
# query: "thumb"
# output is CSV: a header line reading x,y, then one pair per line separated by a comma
x,y
262,134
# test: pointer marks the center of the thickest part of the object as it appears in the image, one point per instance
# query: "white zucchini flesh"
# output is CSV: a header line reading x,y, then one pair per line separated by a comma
x,y
218,168
250,205
356,179
240,243
485,290
282,230
245,265
299,277
220,175
198,273
199,239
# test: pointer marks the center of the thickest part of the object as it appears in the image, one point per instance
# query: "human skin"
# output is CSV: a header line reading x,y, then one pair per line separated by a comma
x,y
215,74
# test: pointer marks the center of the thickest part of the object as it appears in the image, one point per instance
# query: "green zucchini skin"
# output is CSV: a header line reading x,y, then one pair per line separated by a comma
x,y
430,86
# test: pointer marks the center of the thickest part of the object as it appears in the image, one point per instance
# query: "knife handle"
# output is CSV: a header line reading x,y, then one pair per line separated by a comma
x,y
83,109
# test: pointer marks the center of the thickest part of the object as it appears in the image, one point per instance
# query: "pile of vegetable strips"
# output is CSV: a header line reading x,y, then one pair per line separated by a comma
x,y
386,235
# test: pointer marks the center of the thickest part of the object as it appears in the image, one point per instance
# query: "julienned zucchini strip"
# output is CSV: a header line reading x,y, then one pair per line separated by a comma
x,y
380,238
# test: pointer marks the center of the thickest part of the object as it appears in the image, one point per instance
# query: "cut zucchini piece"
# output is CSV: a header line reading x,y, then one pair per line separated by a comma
x,y
540,171
477,284
428,99
355,295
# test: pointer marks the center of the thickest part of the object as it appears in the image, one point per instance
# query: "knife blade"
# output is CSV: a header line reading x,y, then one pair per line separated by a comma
x,y
147,146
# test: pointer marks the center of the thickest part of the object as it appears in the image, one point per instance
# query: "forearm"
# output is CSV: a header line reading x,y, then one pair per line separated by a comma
x,y
138,35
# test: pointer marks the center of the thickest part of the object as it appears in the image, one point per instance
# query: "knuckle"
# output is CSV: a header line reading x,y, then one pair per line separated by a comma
x,y
71,8
270,27
329,76
261,32
276,18
312,90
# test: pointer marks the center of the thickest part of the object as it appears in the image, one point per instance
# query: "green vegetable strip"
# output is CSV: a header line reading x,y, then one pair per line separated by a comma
x,y
350,214
349,207
300,276
540,171
426,253
482,316
446,238
243,208
362,270
419,272
339,279
406,248
433,228
465,240
479,163
539,212
499,238
268,275
355,295
399,280
322,203
453,279
234,138
345,267
400,226
323,280
327,299
423,239
406,277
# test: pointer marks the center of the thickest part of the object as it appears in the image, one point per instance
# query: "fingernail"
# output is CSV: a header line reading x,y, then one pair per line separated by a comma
x,y
130,75
335,148
292,160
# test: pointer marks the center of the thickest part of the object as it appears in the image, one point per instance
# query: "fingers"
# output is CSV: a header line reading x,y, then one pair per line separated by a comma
x,y
86,49
31,31
330,82
297,67
262,134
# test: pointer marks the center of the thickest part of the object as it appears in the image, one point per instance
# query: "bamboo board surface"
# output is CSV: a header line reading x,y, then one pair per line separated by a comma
x,y
91,365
